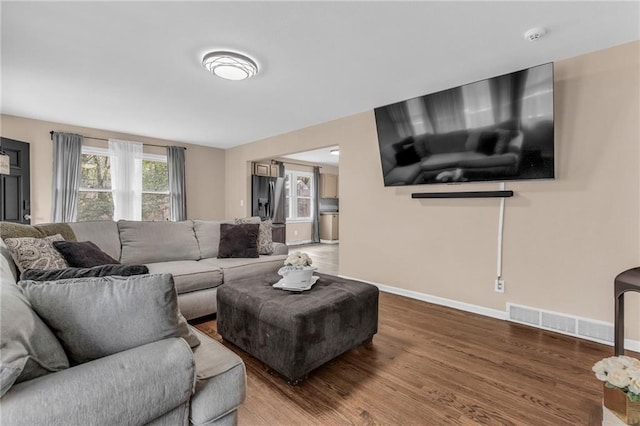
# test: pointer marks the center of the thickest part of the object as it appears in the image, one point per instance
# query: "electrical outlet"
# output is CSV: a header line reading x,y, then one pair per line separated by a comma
x,y
241,203
499,285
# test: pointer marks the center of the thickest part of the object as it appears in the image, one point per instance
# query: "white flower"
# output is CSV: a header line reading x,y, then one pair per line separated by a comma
x,y
629,362
634,385
598,368
619,378
298,259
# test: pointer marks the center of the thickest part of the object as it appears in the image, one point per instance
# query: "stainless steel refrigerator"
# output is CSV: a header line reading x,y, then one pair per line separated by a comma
x,y
268,202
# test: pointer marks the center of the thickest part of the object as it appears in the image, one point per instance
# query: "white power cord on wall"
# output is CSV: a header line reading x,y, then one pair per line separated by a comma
x,y
500,237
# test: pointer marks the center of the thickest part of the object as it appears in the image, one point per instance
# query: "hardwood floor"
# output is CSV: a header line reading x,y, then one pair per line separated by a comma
x,y
324,256
432,365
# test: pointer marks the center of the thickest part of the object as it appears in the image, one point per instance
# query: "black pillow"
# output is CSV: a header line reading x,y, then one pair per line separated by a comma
x,y
487,143
96,271
238,240
407,156
83,254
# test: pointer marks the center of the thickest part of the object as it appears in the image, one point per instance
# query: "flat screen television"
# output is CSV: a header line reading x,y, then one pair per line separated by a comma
x,y
496,129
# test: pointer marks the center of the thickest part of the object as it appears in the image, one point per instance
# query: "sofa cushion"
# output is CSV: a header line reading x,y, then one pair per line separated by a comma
x,y
29,347
189,275
208,236
440,143
508,159
96,271
447,161
149,242
83,254
5,256
265,233
103,233
238,268
19,230
220,381
36,253
96,317
63,229
238,240
402,175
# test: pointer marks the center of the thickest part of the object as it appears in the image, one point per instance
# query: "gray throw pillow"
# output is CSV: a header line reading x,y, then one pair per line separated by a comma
x,y
28,348
96,317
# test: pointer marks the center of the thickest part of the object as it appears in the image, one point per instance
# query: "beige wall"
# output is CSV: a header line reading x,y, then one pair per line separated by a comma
x,y
564,239
204,166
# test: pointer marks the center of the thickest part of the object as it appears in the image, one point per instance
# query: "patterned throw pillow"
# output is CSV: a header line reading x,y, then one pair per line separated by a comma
x,y
36,253
265,233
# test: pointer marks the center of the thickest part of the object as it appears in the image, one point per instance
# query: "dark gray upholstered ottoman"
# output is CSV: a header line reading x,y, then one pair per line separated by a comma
x,y
294,333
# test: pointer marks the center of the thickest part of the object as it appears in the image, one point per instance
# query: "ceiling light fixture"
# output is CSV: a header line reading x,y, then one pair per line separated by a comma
x,y
230,65
335,151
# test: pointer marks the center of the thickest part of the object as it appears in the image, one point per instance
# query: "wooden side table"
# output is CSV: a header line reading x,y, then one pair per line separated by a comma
x,y
628,280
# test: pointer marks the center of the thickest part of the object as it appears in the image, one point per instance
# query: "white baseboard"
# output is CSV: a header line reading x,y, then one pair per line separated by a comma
x,y
467,307
329,241
298,242
629,344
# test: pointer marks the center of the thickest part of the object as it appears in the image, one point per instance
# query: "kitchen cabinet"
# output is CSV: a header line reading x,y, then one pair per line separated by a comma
x,y
328,185
262,169
329,226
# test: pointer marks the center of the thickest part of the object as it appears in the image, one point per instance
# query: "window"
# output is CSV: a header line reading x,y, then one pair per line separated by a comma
x,y
95,201
298,188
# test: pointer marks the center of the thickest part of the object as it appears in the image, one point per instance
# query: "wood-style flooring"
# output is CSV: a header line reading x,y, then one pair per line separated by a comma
x,y
432,365
324,256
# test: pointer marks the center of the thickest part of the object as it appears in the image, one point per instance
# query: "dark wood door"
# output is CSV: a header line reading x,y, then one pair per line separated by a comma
x,y
15,188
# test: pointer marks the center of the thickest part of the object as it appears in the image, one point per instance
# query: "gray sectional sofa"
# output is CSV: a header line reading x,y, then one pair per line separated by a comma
x,y
161,383
164,382
187,250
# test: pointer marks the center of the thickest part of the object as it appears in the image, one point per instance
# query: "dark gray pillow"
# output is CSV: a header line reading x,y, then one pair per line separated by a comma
x,y
96,317
238,240
84,254
96,271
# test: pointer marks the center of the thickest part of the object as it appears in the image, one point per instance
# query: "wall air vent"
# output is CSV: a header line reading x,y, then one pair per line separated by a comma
x,y
597,331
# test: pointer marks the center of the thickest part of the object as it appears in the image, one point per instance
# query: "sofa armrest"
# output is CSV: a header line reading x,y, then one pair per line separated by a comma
x,y
280,248
130,387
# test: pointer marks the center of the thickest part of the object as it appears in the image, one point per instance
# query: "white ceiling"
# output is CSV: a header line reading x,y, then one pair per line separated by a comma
x,y
135,67
317,156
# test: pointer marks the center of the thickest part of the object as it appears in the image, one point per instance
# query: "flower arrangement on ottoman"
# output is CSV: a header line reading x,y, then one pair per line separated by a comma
x,y
297,270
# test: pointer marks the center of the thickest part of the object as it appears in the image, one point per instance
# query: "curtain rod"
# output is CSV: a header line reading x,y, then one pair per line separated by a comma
x,y
107,140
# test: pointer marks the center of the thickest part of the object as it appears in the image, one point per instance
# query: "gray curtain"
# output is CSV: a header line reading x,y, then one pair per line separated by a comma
x,y
67,154
177,196
315,224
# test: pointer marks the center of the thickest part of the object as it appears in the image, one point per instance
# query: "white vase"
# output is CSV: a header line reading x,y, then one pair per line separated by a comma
x,y
296,277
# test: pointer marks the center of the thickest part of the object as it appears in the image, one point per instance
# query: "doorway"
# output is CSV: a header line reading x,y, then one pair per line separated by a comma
x,y
15,188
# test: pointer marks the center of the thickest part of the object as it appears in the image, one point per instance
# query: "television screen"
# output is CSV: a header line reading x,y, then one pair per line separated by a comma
x,y
496,129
